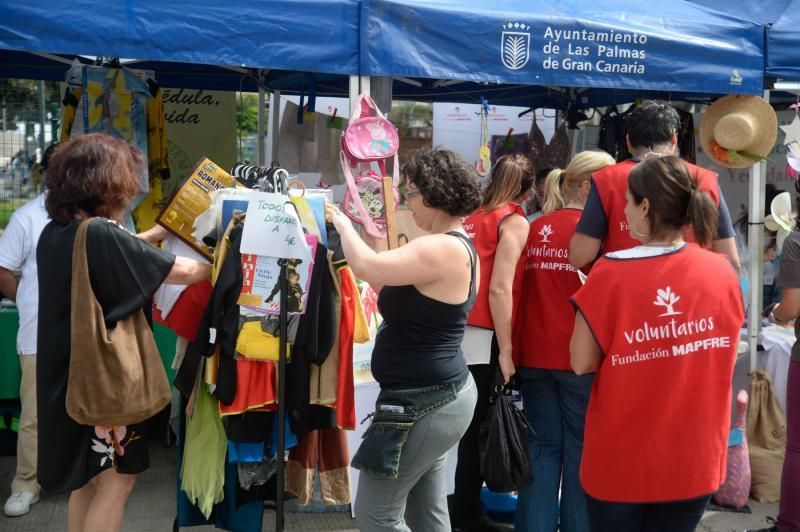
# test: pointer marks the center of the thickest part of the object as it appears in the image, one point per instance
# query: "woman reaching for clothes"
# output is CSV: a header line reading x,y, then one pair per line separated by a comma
x,y
427,394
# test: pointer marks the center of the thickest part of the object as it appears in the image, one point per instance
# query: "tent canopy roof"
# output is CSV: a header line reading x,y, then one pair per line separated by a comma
x,y
671,45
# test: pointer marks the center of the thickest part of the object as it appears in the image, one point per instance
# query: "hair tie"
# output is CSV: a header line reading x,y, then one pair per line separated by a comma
x,y
561,177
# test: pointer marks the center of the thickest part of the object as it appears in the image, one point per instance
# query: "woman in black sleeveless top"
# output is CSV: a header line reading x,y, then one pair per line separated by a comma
x,y
427,289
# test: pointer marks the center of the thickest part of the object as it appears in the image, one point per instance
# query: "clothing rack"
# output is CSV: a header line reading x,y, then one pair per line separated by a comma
x,y
284,331
274,179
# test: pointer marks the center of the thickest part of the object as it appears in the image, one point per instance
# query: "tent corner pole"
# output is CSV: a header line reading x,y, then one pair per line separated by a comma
x,y
261,153
758,175
274,126
756,245
355,84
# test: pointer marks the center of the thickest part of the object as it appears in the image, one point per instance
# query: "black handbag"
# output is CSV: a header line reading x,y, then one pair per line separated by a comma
x,y
505,461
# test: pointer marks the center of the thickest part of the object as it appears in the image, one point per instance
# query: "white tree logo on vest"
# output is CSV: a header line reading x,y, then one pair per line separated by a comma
x,y
670,338
545,232
667,298
515,45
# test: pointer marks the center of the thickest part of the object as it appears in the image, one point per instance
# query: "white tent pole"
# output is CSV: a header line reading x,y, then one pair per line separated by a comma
x,y
261,135
274,126
758,174
756,245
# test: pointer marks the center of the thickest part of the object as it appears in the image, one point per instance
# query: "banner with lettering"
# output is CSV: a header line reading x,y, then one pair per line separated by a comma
x,y
615,44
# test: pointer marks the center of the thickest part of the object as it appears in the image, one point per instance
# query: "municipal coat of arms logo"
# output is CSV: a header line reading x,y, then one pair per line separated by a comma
x,y
515,45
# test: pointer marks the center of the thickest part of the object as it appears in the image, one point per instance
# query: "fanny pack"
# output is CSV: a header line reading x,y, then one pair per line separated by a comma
x,y
396,412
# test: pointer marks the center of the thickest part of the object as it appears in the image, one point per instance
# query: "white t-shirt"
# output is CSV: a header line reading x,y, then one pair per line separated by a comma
x,y
477,345
18,252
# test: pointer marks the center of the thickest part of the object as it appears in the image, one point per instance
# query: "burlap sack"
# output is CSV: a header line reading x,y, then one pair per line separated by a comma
x,y
766,438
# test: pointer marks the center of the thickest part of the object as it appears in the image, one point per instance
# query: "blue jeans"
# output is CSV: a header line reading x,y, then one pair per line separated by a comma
x,y
679,516
555,404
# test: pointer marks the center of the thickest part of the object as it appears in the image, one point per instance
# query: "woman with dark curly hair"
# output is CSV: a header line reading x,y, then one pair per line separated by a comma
x,y
427,394
93,177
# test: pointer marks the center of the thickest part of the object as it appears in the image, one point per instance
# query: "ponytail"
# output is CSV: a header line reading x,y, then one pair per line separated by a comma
x,y
563,186
512,178
702,216
554,191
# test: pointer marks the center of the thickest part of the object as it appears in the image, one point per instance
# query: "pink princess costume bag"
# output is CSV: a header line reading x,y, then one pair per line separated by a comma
x,y
369,138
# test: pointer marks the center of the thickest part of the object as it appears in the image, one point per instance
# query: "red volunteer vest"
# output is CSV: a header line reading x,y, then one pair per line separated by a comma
x,y
612,183
659,413
545,319
484,230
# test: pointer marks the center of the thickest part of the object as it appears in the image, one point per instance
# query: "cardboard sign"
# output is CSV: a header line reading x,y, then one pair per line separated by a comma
x,y
191,199
273,228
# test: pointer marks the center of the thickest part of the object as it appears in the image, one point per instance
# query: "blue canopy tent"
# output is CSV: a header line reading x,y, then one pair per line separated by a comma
x,y
783,43
783,34
319,36
765,11
672,46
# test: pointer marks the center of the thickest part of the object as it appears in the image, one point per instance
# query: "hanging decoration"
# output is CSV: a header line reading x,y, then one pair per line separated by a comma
x,y
792,130
484,163
792,142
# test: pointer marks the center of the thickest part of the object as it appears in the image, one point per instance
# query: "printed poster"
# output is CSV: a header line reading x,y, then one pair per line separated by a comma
x,y
261,282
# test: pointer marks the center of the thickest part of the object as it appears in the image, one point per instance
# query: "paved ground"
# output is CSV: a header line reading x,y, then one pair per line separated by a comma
x,y
151,507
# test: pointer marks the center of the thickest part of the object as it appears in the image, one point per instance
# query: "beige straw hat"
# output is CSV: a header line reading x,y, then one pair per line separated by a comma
x,y
737,130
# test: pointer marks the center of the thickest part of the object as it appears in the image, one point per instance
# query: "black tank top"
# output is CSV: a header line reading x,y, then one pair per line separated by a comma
x,y
419,341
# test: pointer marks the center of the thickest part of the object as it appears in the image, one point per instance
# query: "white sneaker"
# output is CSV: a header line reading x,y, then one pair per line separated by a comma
x,y
20,503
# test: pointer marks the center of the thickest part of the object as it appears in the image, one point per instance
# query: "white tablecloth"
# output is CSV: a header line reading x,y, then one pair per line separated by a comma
x,y
777,342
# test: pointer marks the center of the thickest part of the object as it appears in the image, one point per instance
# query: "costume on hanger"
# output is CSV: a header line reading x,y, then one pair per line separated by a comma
x,y
612,138
501,145
685,134
613,134
123,104
553,155
326,452
332,381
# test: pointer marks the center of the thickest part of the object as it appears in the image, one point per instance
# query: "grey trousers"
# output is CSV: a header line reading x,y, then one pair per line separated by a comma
x,y
417,499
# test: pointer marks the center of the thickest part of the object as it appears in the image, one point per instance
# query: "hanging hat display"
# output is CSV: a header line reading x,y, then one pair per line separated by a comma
x,y
737,131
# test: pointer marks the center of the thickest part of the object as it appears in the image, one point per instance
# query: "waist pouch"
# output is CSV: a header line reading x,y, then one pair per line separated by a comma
x,y
396,412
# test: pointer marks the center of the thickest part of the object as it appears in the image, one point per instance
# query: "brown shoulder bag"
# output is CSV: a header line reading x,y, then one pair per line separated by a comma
x,y
115,375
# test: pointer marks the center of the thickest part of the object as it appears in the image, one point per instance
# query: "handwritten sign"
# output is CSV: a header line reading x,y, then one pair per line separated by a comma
x,y
273,228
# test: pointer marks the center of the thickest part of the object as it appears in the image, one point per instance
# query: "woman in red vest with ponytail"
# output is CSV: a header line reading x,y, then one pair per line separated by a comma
x,y
659,323
498,230
555,398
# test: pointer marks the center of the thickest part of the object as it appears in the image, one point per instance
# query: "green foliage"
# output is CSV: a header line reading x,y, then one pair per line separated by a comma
x,y
246,113
407,114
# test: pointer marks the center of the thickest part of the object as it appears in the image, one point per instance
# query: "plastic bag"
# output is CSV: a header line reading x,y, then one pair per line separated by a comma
x,y
505,462
735,491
